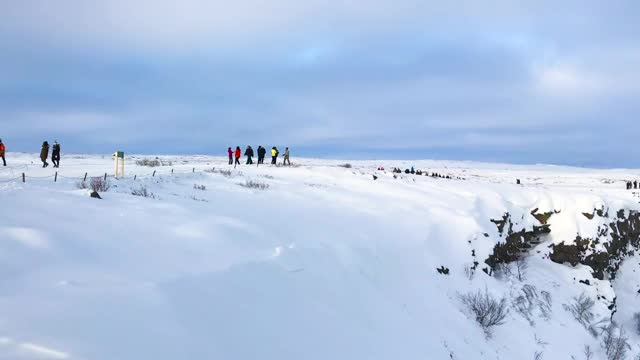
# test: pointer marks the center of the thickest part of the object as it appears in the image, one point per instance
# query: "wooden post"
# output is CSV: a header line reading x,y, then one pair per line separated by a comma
x,y
105,176
118,157
135,177
154,173
194,170
23,178
55,179
171,171
85,176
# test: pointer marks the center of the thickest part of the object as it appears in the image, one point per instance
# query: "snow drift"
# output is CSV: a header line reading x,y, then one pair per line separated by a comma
x,y
316,261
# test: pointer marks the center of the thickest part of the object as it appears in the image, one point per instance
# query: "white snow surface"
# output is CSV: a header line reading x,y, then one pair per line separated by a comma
x,y
324,264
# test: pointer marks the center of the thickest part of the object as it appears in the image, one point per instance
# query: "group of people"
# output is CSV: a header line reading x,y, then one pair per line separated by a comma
x,y
55,154
419,172
262,152
632,185
44,154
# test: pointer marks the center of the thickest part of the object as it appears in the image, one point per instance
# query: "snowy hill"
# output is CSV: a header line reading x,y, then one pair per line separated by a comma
x,y
316,261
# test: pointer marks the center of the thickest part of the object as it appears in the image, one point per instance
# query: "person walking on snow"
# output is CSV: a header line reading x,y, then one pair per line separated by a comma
x,y
230,152
286,160
238,155
635,184
274,155
262,152
55,154
44,154
3,149
249,154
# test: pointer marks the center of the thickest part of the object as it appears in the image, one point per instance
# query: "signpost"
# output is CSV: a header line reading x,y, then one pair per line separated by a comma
x,y
119,160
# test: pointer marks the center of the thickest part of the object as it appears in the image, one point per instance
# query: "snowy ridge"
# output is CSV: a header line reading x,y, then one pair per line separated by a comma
x,y
325,263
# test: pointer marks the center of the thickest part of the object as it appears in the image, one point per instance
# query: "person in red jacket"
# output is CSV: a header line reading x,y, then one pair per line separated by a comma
x,y
2,151
238,155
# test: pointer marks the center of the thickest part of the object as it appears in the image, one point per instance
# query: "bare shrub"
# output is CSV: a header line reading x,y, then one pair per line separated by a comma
x,y
470,271
615,342
588,354
546,305
149,163
199,187
530,301
99,184
538,355
488,310
525,303
293,165
596,328
636,321
268,177
223,172
582,309
153,162
143,191
520,268
250,184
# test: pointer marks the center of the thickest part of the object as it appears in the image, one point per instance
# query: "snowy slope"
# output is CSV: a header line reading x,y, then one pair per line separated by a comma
x,y
324,264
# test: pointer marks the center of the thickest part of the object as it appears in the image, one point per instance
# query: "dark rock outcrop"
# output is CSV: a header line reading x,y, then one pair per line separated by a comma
x,y
620,237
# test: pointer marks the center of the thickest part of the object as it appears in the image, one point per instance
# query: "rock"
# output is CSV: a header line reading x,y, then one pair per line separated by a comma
x,y
95,195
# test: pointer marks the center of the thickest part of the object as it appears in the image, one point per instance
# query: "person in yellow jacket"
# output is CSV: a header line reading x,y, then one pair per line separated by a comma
x,y
2,151
274,155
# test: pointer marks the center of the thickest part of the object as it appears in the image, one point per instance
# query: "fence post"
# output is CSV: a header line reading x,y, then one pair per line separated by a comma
x,y
23,178
194,170
105,176
172,171
135,177
154,173
55,179
85,176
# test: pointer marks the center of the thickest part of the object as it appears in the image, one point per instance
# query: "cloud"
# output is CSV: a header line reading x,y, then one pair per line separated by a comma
x,y
450,79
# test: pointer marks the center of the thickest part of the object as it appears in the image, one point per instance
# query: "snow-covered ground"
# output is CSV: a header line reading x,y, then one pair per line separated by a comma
x,y
326,263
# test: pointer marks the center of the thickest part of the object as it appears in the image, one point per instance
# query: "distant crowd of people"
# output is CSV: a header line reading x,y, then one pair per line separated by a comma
x,y
632,185
44,154
413,171
262,153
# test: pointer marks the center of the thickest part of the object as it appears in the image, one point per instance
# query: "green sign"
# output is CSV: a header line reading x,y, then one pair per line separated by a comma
x,y
120,154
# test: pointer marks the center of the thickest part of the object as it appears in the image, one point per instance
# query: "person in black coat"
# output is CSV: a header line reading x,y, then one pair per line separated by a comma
x,y
55,154
261,154
249,154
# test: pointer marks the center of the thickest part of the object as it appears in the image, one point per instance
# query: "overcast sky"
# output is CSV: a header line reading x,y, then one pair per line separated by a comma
x,y
546,82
